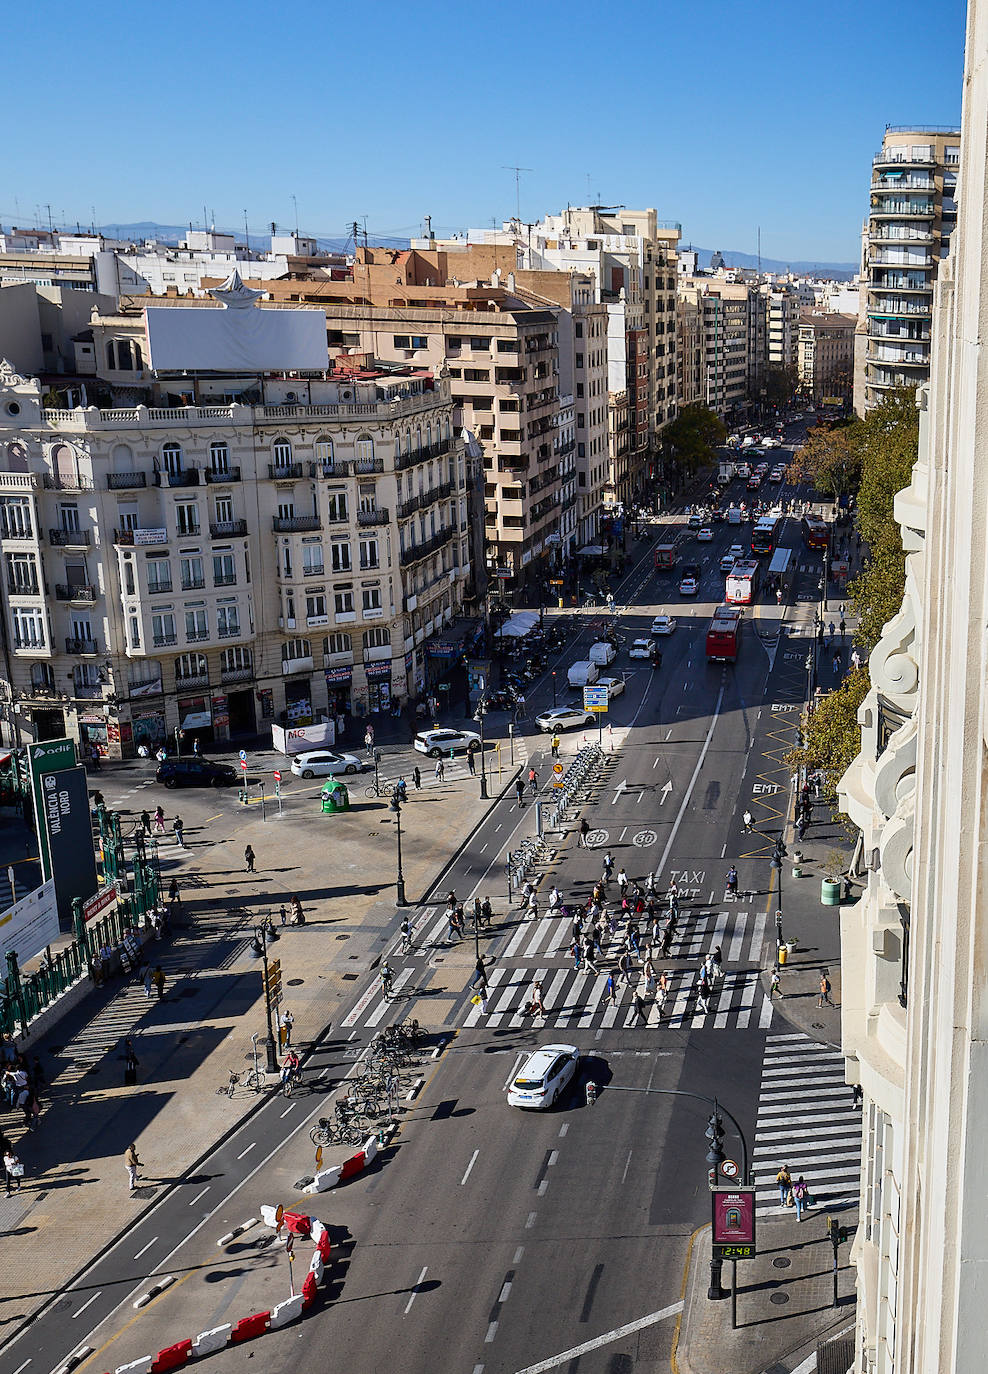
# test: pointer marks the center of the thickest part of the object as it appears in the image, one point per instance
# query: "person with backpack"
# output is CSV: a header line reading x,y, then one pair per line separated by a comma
x,y
800,1196
784,1179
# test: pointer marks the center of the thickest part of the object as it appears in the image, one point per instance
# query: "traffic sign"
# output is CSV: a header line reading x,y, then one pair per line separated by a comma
x,y
729,1168
557,768
243,756
595,698
277,775
243,764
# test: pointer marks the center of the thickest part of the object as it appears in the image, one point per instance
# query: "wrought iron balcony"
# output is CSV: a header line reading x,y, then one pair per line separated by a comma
x,y
122,481
216,478
284,472
74,593
296,524
86,647
224,529
70,539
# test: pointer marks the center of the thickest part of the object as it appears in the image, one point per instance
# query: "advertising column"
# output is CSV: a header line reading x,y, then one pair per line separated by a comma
x,y
68,829
52,756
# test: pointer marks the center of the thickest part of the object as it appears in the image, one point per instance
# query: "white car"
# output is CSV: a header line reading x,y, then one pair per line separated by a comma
x,y
688,585
565,717
614,685
663,624
642,648
777,475
728,561
436,743
543,1077
323,763
705,536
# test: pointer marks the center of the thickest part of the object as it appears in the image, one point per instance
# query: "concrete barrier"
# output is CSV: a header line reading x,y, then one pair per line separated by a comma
x,y
248,1328
288,1311
317,1267
325,1179
141,1366
173,1357
208,1342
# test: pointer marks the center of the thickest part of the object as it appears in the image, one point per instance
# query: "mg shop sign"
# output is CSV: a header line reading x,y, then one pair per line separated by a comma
x,y
733,1234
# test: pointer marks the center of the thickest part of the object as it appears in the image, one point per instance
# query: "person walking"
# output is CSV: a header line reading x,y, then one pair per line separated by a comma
x,y
173,893
574,950
440,771
288,1021
554,743
638,1008
159,819
158,978
520,791
472,763
824,1000
178,825
610,990
479,975
588,955
837,661
451,932
130,1063
624,967
537,1004
369,739
417,778
13,1168
132,1163
146,822
800,1194
775,985
749,821
584,832
716,964
661,993
249,858
487,911
784,1179
147,981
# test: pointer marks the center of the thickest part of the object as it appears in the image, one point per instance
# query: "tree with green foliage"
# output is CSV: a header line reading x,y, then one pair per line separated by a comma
x,y
831,460
692,437
831,734
781,383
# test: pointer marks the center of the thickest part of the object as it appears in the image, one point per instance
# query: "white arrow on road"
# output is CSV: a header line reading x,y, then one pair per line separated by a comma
x,y
621,787
665,792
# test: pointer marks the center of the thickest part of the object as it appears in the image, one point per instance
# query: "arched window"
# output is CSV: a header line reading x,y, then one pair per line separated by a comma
x,y
122,458
219,458
138,356
446,431
237,659
111,355
418,439
191,665
428,436
125,361
171,457
364,448
339,643
282,453
377,638
324,450
42,677
295,648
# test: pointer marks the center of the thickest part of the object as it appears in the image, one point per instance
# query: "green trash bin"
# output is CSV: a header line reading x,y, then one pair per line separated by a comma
x,y
335,798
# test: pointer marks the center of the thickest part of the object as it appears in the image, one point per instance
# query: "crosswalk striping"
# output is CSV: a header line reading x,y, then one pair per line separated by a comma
x,y
806,1119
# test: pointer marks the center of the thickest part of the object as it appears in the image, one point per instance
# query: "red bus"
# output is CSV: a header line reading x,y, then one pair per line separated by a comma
x,y
742,583
665,557
816,532
724,635
764,535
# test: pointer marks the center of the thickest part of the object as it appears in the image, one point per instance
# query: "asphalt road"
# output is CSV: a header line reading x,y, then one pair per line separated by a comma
x,y
495,1240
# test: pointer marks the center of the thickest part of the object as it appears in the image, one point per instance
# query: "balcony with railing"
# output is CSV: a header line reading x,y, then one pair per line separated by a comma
x,y
895,156
70,539
231,675
219,477
423,454
416,552
895,257
331,467
80,592
379,516
886,208
87,648
193,680
185,477
368,465
160,587
227,529
164,641
225,579
284,472
67,481
899,233
193,584
903,183
125,481
296,524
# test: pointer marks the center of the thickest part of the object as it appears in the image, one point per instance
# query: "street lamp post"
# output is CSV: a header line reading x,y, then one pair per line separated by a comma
x,y
715,1156
479,715
260,947
553,686
396,808
778,854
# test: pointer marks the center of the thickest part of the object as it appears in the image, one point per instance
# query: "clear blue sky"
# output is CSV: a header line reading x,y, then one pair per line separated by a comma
x,y
723,116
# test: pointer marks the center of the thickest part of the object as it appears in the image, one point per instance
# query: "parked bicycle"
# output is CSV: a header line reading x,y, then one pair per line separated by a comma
x,y
250,1079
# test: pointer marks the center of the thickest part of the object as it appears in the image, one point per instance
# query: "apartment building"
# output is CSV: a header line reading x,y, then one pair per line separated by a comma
x,y
238,546
691,389
782,327
732,329
499,348
906,237
914,981
826,354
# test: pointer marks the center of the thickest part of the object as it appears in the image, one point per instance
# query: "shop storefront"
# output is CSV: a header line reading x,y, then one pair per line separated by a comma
x,y
298,701
339,685
148,724
195,721
93,733
221,717
378,686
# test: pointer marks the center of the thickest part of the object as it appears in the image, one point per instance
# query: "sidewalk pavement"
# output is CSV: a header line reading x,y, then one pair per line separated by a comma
x,y
187,1042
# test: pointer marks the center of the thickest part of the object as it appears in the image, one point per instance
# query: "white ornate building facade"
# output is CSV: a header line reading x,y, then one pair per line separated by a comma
x,y
915,991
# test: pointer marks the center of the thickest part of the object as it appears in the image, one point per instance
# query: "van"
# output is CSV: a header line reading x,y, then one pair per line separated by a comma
x,y
602,653
582,674
733,516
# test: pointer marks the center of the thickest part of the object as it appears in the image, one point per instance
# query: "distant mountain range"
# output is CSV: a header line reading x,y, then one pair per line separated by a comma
x,y
171,233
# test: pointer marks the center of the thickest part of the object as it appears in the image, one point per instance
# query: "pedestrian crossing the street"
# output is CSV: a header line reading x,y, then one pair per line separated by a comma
x,y
806,1119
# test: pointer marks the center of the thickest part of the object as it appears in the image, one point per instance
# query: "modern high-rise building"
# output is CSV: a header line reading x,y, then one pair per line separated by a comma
x,y
914,985
907,235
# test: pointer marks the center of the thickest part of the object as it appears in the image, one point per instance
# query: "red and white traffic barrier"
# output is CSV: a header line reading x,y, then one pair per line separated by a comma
x,y
339,1173
257,1323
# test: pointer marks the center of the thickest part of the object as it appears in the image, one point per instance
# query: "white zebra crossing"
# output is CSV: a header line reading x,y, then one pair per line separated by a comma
x,y
806,1119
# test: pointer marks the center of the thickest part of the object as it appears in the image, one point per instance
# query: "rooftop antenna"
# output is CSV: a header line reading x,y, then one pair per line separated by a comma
x,y
247,235
295,204
205,221
759,250
517,171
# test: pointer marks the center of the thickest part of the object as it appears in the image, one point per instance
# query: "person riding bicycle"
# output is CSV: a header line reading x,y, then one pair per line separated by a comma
x,y
732,881
290,1068
387,979
406,935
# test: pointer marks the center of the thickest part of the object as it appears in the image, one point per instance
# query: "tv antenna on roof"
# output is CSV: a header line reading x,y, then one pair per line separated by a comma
x,y
517,171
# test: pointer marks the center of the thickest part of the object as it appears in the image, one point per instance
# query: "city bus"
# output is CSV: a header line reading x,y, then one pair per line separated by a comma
x,y
763,536
742,583
816,532
724,635
665,557
779,566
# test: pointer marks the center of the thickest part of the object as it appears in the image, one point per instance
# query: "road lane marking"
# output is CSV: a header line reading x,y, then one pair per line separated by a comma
x,y
78,1314
199,1195
652,1319
505,1290
518,1254
542,1187
473,1161
414,1294
147,1247
530,1222
563,1129
491,1333
627,1163
248,1149
293,1105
